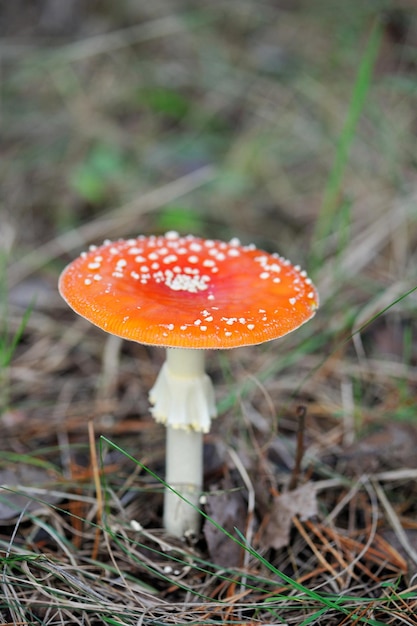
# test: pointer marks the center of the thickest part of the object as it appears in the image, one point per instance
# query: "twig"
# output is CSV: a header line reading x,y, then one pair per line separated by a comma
x,y
251,509
395,522
299,453
97,484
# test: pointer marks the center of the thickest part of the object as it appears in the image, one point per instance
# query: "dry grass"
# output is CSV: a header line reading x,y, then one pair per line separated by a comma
x,y
223,121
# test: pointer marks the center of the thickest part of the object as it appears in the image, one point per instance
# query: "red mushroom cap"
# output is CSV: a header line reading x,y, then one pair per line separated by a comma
x,y
188,292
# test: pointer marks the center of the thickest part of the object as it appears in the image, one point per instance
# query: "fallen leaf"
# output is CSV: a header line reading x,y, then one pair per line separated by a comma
x,y
301,501
228,509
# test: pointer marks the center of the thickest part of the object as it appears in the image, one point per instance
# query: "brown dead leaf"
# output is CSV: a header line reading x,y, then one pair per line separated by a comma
x,y
228,509
301,501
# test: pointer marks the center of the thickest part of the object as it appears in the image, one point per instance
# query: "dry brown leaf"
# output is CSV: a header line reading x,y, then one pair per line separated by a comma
x,y
301,501
228,510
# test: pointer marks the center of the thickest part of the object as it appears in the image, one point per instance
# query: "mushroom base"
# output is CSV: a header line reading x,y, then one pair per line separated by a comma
x,y
184,473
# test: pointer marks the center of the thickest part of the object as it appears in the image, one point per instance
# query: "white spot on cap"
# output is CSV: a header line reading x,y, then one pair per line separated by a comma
x,y
184,282
171,235
170,258
233,252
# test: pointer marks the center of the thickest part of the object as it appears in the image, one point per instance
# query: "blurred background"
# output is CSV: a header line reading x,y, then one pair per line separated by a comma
x,y
288,124
241,104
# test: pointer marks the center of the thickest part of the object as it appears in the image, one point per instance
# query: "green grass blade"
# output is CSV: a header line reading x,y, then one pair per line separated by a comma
x,y
361,87
310,593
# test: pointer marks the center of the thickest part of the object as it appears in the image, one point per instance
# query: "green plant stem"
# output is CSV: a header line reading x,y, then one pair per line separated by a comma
x,y
332,190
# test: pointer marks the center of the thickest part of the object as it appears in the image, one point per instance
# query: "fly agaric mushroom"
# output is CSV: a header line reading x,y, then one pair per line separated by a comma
x,y
187,294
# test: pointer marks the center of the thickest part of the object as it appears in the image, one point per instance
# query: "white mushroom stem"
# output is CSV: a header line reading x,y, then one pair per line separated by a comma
x,y
183,399
183,472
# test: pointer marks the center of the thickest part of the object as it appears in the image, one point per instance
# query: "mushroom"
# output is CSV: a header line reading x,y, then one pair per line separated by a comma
x,y
188,295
